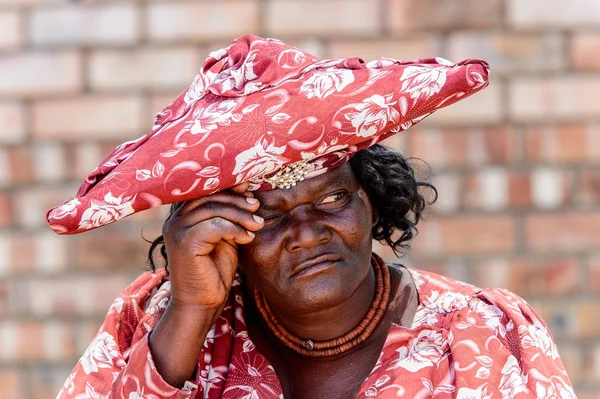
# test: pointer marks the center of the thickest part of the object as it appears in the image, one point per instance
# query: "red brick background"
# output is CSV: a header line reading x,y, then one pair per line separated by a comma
x,y
517,166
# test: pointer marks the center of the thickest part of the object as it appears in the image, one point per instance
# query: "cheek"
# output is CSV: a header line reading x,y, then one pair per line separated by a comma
x,y
257,258
358,222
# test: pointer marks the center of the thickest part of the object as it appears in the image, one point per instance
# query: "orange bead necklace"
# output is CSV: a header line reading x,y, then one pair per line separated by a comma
x,y
356,336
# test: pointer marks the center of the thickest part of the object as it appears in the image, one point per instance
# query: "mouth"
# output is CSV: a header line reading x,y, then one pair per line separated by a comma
x,y
315,265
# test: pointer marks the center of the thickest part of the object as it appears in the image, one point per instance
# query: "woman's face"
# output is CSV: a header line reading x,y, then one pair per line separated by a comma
x,y
314,250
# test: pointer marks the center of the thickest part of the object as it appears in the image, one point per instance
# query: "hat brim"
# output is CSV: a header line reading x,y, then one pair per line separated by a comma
x,y
254,109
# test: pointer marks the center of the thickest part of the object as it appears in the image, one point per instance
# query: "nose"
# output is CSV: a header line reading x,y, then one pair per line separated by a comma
x,y
306,228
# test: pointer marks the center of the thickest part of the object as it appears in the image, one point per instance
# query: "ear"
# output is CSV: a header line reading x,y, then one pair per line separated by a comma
x,y
375,216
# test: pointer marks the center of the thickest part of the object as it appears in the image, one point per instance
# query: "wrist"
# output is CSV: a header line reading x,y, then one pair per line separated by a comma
x,y
192,313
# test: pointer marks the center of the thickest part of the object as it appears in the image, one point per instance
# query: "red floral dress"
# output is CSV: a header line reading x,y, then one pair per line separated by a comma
x,y
465,342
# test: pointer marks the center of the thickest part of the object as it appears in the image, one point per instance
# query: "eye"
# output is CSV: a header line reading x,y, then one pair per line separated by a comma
x,y
335,197
272,218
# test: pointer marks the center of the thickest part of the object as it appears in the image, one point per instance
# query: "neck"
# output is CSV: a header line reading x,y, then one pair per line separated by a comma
x,y
332,322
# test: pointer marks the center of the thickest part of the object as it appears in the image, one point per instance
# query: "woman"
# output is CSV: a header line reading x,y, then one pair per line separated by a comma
x,y
277,294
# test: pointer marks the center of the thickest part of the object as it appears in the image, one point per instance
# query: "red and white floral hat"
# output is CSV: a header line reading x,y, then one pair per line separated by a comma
x,y
265,112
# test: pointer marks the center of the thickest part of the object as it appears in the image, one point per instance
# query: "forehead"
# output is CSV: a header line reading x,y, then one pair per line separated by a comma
x,y
338,178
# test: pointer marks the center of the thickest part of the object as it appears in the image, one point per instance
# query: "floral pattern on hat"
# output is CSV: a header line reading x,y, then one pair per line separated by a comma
x,y
255,107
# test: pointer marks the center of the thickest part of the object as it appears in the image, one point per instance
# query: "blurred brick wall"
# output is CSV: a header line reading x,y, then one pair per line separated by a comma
x,y
517,166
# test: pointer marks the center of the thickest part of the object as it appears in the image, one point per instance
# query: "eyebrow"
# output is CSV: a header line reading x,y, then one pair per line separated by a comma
x,y
281,199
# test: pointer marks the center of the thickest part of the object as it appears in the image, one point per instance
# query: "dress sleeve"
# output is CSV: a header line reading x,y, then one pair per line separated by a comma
x,y
118,362
501,348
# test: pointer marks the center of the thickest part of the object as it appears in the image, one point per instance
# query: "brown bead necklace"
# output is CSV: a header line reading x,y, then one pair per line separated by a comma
x,y
354,337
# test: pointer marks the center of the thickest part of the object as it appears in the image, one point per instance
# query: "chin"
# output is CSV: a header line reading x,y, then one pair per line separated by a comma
x,y
324,289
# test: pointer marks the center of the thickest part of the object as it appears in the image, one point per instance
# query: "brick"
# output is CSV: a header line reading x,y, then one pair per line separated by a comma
x,y
510,52
311,45
561,317
398,142
593,273
86,156
592,372
47,381
585,51
158,102
84,24
50,252
588,187
589,318
409,15
30,208
69,295
519,190
531,276
193,20
453,267
36,74
488,189
17,256
31,204
49,162
12,120
537,14
562,144
146,68
561,276
5,168
587,392
10,30
571,97
5,261
6,209
450,188
571,354
309,17
85,331
4,294
36,341
89,117
484,107
43,252
571,231
12,382
454,148
20,3
519,275
550,187
540,188
455,235
19,165
401,49
127,251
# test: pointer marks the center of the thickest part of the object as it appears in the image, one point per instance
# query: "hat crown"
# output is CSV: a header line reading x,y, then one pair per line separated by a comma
x,y
268,113
250,63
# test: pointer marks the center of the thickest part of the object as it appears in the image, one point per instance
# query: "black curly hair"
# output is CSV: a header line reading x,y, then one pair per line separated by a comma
x,y
394,191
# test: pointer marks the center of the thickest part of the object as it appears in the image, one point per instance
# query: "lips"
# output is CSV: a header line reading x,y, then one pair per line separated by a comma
x,y
316,262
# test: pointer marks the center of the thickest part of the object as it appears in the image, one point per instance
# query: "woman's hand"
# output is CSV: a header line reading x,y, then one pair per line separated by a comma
x,y
201,241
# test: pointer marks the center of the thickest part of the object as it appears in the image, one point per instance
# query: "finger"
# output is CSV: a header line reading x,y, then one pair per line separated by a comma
x,y
242,201
202,214
214,231
240,188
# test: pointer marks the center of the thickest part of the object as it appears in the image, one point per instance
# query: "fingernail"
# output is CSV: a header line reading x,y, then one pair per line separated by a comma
x,y
251,201
258,219
251,234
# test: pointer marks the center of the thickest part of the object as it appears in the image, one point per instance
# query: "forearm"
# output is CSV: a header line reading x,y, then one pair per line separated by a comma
x,y
177,341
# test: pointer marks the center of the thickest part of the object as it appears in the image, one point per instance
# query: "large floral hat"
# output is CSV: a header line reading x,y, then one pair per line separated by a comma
x,y
268,113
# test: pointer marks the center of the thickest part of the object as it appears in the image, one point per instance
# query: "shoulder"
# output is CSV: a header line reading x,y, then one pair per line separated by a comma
x,y
145,286
147,295
458,301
